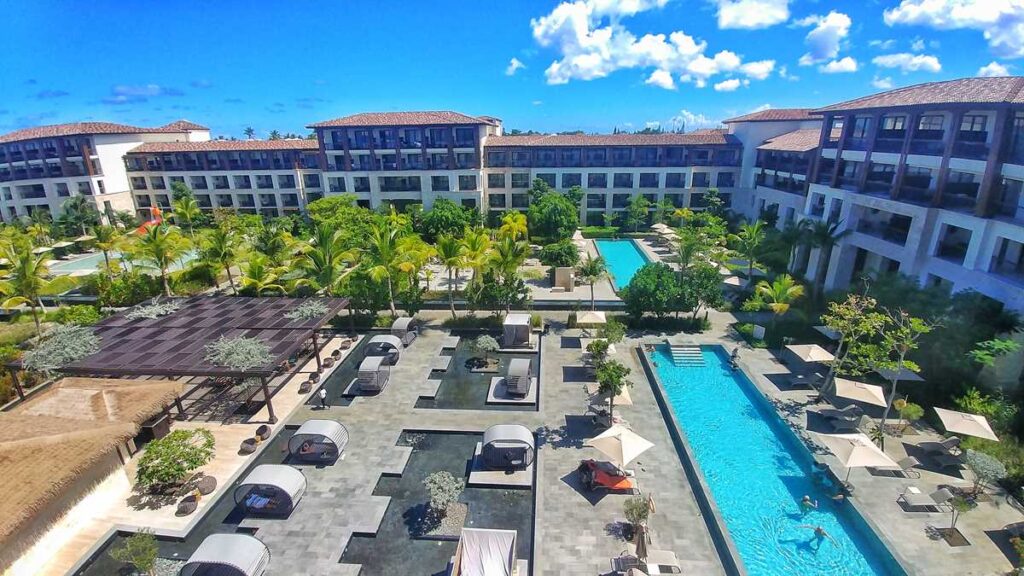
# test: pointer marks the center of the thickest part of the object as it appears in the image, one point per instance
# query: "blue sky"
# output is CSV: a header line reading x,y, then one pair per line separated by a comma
x,y
590,64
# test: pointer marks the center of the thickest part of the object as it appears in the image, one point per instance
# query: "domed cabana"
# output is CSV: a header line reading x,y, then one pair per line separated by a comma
x,y
386,345
271,489
508,447
228,555
318,440
405,329
373,374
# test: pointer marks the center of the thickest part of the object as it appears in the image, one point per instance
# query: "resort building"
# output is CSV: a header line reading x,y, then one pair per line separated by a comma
x,y
40,168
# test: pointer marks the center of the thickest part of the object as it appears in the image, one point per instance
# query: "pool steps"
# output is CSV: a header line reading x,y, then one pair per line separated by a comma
x,y
686,355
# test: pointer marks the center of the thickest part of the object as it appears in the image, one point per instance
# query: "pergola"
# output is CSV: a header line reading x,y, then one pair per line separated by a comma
x,y
175,345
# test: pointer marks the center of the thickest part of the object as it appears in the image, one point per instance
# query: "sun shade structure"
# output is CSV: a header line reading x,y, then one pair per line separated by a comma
x,y
271,489
620,444
386,345
318,440
860,392
42,250
856,451
810,353
405,329
228,555
520,376
735,281
483,552
84,238
591,318
964,423
373,374
903,375
516,330
508,447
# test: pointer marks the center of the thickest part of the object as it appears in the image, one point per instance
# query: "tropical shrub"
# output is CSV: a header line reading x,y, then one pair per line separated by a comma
x,y
444,489
61,346
599,231
77,314
239,353
652,290
561,253
140,550
170,459
987,469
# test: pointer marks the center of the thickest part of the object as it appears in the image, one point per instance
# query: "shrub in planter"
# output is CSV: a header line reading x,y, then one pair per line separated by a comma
x,y
444,489
140,550
171,459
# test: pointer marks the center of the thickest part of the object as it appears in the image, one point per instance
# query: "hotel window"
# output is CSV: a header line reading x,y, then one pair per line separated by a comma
x,y
521,180
595,200
700,180
570,157
495,180
596,157
198,182
675,180
361,183
439,184
102,188
648,180
930,123
520,200
157,182
973,123
860,127
623,180
496,200
286,181
571,179
597,180
138,183
497,159
890,123
467,182
336,184
726,179
220,182
311,180
62,190
548,179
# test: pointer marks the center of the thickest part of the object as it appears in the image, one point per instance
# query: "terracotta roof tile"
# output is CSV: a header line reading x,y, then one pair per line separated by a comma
x,y
1007,90
82,129
184,125
775,115
225,146
709,137
427,118
795,141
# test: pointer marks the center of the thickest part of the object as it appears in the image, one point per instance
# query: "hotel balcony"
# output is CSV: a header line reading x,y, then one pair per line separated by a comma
x,y
885,229
970,150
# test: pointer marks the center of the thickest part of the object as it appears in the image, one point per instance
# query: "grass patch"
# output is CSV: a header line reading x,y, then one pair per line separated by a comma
x,y
784,331
18,331
489,322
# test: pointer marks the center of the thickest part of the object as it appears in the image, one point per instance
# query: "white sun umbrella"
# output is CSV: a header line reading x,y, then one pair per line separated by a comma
x,y
620,444
591,318
964,423
903,375
63,244
860,392
828,332
735,281
85,238
659,226
578,235
810,353
856,451
42,250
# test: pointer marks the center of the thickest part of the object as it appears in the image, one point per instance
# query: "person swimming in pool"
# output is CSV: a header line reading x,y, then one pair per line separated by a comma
x,y
820,534
806,504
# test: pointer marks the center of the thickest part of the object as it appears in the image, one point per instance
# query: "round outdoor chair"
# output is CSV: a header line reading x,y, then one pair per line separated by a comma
x,y
263,432
305,387
248,446
206,485
187,506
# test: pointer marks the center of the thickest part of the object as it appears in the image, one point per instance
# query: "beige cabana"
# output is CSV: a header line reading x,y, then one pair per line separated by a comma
x,y
659,226
963,423
856,451
620,444
516,330
810,353
591,318
860,392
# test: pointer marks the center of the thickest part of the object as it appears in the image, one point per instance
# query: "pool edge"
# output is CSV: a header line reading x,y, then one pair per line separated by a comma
x,y
639,248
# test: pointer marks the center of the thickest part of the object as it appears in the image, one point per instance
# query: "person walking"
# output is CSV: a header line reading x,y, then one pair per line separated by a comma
x,y
323,399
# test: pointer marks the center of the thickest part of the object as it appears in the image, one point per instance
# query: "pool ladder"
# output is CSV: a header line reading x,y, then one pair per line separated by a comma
x,y
686,355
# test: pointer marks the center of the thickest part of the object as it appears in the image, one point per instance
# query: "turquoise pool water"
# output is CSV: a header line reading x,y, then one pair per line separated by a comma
x,y
758,470
623,257
92,262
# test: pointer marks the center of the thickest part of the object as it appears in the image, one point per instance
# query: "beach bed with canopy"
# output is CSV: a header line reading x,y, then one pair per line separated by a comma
x,y
373,374
485,552
271,489
516,330
405,329
508,447
385,345
228,555
318,440
520,376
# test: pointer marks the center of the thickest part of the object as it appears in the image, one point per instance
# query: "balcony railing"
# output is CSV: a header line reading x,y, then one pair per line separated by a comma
x,y
915,194
888,145
883,230
927,147
971,150
953,252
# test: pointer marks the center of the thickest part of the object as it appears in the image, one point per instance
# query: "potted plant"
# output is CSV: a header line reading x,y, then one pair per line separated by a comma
x,y
637,510
169,460
444,489
139,550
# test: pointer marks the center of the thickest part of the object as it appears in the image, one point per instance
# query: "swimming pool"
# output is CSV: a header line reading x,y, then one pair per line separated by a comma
x,y
623,257
92,262
757,471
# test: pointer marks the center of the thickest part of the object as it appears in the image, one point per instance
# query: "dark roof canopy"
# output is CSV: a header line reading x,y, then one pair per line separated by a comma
x,y
175,345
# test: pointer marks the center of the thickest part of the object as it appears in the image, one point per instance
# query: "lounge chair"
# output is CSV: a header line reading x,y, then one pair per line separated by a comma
x,y
845,424
596,475
947,460
905,468
938,499
657,562
846,413
947,446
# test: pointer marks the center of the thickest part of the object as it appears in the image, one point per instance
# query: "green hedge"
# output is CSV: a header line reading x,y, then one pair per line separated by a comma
x,y
600,231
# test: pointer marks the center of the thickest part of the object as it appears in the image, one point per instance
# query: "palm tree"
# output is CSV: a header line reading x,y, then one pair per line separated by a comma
x,y
79,213
186,211
452,255
779,295
513,224
27,280
824,236
275,135
221,249
507,256
39,232
261,276
323,264
793,235
591,271
273,241
476,244
382,256
748,240
249,132
107,239
161,246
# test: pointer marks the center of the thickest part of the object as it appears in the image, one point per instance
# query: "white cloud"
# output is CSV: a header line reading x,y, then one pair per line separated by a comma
x,y
758,70
992,69
841,66
691,120
752,14
785,75
917,45
760,108
537,102
909,62
1000,21
662,79
824,40
882,83
592,42
882,44
514,65
652,125
729,85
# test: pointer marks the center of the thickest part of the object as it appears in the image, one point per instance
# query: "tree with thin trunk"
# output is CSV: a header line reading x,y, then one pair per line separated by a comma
x,y
824,236
107,239
901,335
794,235
748,242
506,258
856,320
260,275
322,266
513,224
592,270
611,381
249,132
452,255
160,247
779,295
382,255
186,212
476,244
27,281
220,248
